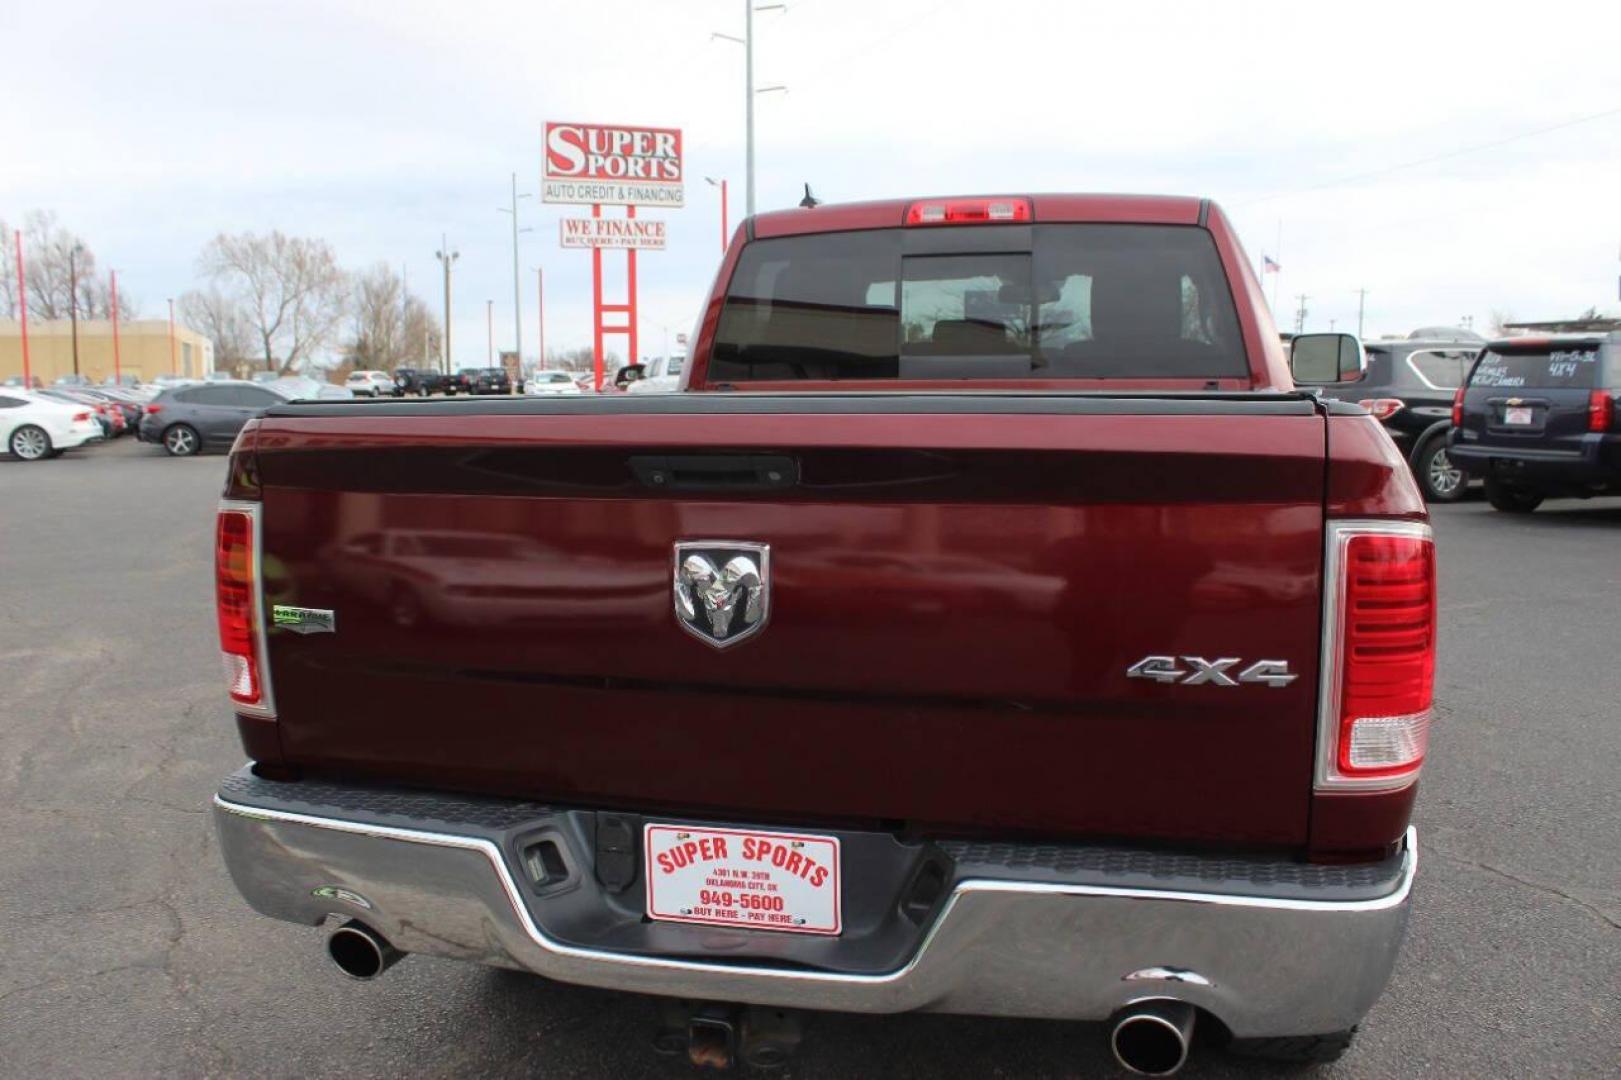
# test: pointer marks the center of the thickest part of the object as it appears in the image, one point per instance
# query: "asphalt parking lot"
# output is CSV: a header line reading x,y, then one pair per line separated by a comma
x,y
128,953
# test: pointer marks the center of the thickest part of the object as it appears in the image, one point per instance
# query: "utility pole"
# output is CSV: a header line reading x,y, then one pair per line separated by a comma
x,y
118,364
747,41
748,100
517,304
540,315
1361,307
446,257
73,299
1300,314
22,308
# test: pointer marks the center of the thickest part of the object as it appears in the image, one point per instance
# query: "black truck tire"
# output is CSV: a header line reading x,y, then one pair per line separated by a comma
x,y
1510,499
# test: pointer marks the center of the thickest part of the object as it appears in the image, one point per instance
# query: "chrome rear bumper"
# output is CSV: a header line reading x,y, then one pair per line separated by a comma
x,y
1265,965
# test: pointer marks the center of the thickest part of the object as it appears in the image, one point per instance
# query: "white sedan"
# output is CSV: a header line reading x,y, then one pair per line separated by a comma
x,y
550,382
32,428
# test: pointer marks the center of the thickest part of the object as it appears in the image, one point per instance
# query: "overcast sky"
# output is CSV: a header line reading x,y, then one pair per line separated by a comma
x,y
1353,128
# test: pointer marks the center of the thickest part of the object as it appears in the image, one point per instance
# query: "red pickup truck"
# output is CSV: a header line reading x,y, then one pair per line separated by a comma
x,y
988,627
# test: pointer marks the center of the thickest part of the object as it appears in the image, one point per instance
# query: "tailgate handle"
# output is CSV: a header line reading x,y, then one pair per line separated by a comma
x,y
716,472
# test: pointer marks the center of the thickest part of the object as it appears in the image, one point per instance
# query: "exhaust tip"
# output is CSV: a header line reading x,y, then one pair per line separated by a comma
x,y
1152,1038
361,952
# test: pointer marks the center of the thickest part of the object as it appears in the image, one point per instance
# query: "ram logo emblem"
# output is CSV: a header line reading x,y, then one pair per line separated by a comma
x,y
1197,671
722,589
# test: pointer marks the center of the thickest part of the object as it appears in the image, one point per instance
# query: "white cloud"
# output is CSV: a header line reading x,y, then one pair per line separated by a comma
x,y
379,126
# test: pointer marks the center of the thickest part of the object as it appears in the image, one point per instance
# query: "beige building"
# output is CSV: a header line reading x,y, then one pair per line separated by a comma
x,y
144,349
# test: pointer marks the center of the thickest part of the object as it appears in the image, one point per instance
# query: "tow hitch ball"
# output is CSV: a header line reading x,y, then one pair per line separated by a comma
x,y
717,1035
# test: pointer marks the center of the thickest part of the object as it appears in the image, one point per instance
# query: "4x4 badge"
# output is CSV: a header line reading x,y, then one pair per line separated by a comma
x,y
1197,671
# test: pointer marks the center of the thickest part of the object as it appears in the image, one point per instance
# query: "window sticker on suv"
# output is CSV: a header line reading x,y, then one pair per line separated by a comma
x,y
1556,369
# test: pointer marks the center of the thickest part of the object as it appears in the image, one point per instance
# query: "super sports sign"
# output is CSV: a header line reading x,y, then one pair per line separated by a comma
x,y
612,164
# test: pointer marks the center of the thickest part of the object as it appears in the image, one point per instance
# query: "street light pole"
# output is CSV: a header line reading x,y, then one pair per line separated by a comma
x,y
517,304
446,257
118,364
540,314
748,98
22,308
73,299
747,41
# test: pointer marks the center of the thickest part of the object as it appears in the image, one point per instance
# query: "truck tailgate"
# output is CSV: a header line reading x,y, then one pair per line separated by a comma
x,y
958,586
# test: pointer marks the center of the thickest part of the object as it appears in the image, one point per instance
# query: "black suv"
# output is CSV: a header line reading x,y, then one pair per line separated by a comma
x,y
422,381
1537,418
489,380
1408,384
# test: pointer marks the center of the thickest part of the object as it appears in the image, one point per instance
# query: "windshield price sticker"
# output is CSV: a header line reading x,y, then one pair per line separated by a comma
x,y
751,880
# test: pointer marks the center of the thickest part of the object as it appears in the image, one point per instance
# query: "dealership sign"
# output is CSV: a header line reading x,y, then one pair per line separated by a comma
x,y
611,164
613,233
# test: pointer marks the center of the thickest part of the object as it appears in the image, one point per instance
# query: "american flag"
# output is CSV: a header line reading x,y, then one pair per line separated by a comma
x,y
1269,265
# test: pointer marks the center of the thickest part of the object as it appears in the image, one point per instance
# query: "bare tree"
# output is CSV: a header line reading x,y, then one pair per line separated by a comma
x,y
290,289
422,339
391,328
378,318
1500,321
223,321
62,276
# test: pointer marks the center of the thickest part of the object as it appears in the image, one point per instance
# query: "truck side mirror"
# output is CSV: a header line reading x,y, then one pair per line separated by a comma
x,y
1326,358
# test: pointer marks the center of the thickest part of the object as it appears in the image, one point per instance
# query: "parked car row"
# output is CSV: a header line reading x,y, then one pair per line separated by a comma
x,y
184,416
1532,418
34,427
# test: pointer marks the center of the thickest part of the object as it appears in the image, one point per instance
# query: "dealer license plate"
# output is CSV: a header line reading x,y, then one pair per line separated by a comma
x,y
743,878
1519,415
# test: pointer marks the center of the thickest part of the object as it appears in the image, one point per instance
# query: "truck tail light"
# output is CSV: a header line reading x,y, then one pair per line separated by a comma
x,y
968,211
1600,411
1382,408
238,604
1378,655
1457,408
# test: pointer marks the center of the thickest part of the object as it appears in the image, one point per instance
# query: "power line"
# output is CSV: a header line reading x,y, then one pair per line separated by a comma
x,y
1460,152
836,66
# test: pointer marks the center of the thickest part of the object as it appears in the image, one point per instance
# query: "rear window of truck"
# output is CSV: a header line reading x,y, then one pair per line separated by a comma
x,y
1574,368
1059,302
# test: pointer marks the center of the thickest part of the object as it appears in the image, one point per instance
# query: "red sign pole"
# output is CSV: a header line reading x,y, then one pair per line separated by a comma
x,y
22,301
630,257
118,369
596,300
